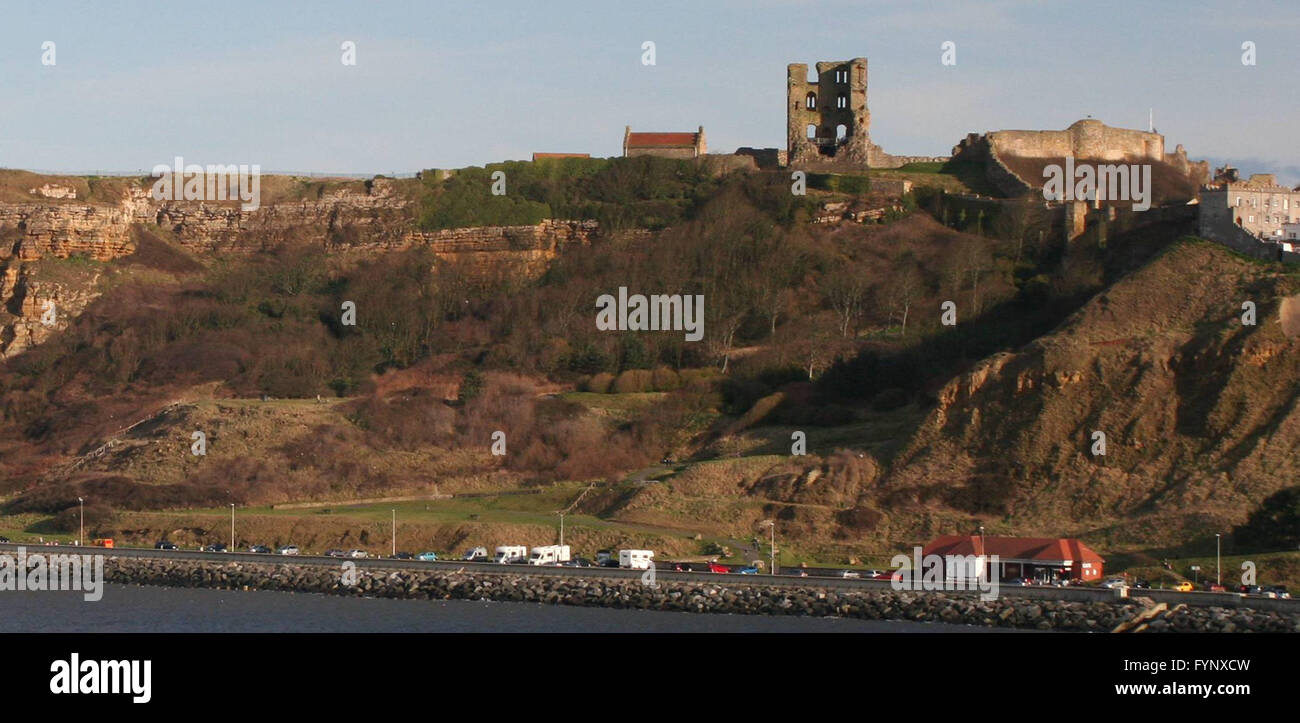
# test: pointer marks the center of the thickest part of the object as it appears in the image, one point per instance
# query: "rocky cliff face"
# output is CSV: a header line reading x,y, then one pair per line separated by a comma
x,y
54,226
1200,412
102,230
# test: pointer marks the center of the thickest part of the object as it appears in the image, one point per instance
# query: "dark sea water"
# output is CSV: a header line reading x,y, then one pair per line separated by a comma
x,y
136,609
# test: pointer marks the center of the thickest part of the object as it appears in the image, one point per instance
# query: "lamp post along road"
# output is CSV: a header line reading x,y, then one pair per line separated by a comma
x,y
232,526
771,556
81,526
1218,558
394,532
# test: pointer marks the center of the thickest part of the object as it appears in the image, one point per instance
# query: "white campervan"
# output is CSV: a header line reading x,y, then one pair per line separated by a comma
x,y
510,554
636,559
549,555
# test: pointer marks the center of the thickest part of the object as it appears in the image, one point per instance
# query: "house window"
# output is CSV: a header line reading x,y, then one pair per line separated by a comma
x,y
1239,201
811,101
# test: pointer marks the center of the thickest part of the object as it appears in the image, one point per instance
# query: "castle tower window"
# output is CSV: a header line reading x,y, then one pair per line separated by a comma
x,y
841,132
812,132
842,102
811,101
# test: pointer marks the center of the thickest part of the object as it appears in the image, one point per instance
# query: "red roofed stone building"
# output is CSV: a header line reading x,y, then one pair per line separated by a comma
x,y
1035,558
667,145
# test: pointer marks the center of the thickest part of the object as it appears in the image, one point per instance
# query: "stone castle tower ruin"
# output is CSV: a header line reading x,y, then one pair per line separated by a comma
x,y
827,119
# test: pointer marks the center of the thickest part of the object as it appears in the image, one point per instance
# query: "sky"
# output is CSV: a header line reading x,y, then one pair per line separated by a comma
x,y
450,84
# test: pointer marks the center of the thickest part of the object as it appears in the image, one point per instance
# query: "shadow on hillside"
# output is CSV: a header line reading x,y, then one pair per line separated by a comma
x,y
932,361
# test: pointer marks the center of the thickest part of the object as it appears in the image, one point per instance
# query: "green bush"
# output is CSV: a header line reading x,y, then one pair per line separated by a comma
x,y
664,379
600,383
633,381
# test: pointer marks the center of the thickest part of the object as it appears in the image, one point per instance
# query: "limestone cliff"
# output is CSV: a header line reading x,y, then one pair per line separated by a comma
x,y
348,216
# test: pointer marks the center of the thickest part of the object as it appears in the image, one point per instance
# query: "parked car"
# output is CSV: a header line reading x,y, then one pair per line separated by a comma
x,y
750,570
1215,587
215,547
1115,582
260,549
1184,586
1142,584
334,552
287,550
405,556
3,538
717,567
165,545
576,562
850,574
427,556
477,554
358,553
1017,582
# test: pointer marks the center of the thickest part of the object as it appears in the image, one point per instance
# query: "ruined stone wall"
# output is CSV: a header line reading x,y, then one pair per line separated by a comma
x,y
880,159
976,148
839,98
1083,139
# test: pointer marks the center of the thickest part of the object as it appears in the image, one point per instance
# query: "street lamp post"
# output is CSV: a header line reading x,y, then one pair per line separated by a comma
x,y
81,526
1218,558
561,513
772,551
982,551
232,526
394,532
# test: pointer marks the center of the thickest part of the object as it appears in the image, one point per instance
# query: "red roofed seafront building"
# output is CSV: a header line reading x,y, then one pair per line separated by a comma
x,y
1034,558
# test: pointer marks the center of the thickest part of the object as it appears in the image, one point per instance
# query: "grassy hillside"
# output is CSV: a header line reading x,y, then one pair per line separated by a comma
x,y
825,335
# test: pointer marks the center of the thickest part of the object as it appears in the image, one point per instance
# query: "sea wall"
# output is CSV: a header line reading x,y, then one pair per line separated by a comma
x,y
747,598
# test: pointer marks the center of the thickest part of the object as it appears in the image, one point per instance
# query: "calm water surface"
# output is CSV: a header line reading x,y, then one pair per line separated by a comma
x,y
137,609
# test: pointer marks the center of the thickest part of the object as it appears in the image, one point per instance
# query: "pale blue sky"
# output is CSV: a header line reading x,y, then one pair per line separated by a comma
x,y
446,84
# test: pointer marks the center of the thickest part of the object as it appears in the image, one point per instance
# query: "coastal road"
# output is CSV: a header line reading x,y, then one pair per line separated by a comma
x,y
1031,592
